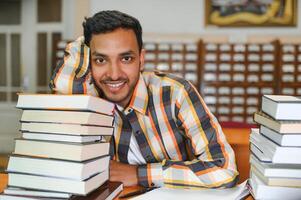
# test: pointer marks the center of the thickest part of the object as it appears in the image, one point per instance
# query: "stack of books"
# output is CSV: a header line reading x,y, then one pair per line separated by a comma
x,y
63,150
276,149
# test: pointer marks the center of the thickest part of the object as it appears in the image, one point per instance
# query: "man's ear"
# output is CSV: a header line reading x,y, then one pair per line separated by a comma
x,y
142,57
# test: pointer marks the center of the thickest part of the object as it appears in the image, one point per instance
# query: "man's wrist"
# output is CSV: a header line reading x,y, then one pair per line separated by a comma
x,y
150,175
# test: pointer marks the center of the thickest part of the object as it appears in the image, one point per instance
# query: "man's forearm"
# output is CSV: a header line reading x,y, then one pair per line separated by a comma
x,y
125,173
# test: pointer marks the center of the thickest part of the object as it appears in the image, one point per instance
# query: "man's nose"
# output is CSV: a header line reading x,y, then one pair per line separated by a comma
x,y
114,71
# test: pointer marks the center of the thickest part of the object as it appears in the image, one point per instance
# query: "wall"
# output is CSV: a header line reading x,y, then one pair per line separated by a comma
x,y
181,17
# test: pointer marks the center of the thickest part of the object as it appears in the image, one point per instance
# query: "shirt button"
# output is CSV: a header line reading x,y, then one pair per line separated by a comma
x,y
138,132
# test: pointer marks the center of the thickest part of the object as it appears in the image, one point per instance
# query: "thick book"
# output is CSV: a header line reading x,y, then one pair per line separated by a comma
x,y
269,169
276,181
22,192
282,107
281,126
259,154
280,138
65,102
61,150
57,168
68,117
275,153
19,197
107,191
58,184
262,191
68,129
61,137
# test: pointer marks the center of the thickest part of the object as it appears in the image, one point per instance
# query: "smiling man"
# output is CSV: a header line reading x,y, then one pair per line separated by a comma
x,y
116,61
164,133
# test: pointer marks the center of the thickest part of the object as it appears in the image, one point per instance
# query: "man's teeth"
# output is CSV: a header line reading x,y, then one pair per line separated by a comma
x,y
114,85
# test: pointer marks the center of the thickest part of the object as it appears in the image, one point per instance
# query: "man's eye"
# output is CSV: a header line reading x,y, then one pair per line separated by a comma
x,y
99,60
127,59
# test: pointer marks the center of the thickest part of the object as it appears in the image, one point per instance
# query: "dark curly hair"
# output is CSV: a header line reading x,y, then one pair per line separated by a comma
x,y
108,21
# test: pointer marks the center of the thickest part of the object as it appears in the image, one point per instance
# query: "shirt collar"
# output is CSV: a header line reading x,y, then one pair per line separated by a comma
x,y
139,100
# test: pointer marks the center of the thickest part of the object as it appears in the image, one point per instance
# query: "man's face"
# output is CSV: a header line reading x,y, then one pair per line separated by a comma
x,y
116,64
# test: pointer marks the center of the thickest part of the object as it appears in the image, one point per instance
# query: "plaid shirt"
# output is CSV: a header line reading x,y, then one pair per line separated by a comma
x,y
181,141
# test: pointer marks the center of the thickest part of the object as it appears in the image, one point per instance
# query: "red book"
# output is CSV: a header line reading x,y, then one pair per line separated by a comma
x,y
107,191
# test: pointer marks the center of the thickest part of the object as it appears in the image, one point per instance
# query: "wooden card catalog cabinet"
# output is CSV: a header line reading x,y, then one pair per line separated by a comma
x,y
181,59
234,77
290,69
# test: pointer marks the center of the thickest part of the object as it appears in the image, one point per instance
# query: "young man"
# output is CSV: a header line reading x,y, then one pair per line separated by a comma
x,y
164,133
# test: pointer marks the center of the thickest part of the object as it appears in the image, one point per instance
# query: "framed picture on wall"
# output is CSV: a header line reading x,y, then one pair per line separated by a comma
x,y
261,13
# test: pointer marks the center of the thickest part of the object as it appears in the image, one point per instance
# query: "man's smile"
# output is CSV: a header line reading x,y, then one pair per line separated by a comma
x,y
115,86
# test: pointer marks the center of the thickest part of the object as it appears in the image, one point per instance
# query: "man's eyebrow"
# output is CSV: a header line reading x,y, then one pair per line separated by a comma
x,y
126,53
130,52
95,53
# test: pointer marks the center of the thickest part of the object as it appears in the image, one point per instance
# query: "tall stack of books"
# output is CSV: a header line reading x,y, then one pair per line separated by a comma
x,y
63,150
276,149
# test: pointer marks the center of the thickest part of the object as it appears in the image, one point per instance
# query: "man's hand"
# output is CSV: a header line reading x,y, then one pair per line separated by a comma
x,y
125,173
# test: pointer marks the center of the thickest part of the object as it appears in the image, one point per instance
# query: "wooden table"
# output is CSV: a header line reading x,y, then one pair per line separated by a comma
x,y
3,181
238,138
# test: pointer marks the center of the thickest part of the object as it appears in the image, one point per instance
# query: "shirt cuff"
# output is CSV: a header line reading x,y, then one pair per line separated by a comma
x,y
150,175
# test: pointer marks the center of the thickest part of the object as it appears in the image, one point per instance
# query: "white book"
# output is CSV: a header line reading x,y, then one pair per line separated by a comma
x,y
67,129
276,181
57,184
259,154
281,126
263,191
282,107
281,139
61,150
21,192
57,168
65,102
69,117
269,169
15,197
61,138
276,153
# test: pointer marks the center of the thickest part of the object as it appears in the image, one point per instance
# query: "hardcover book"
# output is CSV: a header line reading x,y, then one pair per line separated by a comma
x,y
15,192
67,129
57,168
65,102
262,191
280,138
282,107
281,126
277,181
61,137
275,153
68,117
58,184
107,191
61,150
269,169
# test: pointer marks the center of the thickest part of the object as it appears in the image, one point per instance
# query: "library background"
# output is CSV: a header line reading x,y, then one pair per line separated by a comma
x,y
232,61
